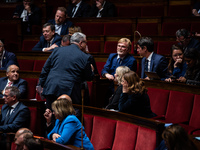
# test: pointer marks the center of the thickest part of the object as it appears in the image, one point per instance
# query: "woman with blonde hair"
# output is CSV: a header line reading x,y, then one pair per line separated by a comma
x,y
134,99
114,99
67,129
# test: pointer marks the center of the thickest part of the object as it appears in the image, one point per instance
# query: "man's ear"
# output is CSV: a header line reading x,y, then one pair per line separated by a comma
x,y
145,48
14,97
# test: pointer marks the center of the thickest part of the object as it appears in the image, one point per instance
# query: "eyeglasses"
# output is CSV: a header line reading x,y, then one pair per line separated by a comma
x,y
5,95
84,42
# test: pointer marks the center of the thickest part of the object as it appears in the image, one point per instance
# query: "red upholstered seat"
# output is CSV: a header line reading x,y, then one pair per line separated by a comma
x,y
125,136
100,66
194,122
91,28
146,139
31,87
118,29
27,45
88,124
103,133
94,46
152,11
170,28
110,47
183,10
179,107
26,64
158,100
89,83
38,64
129,11
147,29
33,122
164,47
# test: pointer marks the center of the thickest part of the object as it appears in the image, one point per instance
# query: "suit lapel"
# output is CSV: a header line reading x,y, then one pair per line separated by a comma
x,y
14,113
152,63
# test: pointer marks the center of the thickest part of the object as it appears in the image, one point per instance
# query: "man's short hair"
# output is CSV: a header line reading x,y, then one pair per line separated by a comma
x,y
146,41
8,69
77,37
127,41
63,9
14,91
51,26
66,38
183,32
1,42
33,144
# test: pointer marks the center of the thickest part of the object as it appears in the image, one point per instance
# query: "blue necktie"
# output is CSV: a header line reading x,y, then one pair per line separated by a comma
x,y
119,61
146,65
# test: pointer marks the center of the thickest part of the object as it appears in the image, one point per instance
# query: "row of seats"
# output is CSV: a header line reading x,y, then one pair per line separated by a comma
x,y
161,47
145,28
176,107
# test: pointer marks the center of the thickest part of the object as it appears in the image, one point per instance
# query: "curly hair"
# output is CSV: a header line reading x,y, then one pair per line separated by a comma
x,y
135,84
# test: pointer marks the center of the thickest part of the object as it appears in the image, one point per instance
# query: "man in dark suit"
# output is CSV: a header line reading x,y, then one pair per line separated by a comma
x,y
6,58
60,21
49,40
30,15
151,62
77,9
14,114
12,79
102,8
65,69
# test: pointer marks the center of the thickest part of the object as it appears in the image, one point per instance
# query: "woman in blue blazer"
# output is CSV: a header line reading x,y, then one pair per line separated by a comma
x,y
67,129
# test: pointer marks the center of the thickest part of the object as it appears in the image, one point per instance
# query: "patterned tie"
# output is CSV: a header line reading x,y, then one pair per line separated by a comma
x,y
73,11
9,84
119,61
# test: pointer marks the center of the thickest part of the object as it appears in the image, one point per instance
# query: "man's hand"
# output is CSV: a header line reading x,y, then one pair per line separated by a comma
x,y
55,136
178,61
168,80
181,79
51,47
48,115
147,78
28,8
109,76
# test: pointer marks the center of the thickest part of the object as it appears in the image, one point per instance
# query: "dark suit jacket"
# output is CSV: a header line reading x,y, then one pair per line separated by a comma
x,y
8,59
64,71
20,83
19,118
109,10
112,64
65,26
158,64
43,43
34,18
83,10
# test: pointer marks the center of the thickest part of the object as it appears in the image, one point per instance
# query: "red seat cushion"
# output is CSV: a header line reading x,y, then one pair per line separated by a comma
x,y
103,132
125,136
146,139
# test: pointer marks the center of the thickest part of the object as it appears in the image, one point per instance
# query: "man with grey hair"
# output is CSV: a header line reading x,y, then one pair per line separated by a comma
x,y
6,58
14,114
65,69
12,79
186,41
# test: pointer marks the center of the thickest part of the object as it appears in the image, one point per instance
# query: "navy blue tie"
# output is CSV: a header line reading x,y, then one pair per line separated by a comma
x,y
146,65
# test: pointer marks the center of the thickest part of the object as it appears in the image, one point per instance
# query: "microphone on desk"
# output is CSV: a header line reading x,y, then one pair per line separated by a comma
x,y
135,48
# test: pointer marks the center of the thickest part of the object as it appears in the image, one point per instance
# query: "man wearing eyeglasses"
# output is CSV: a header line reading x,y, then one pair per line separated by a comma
x,y
14,114
12,79
184,39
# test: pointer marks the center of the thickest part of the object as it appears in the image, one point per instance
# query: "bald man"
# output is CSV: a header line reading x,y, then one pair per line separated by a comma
x,y
20,137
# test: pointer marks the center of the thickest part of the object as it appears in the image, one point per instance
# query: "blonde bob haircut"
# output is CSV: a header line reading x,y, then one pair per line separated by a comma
x,y
63,107
127,41
135,84
120,71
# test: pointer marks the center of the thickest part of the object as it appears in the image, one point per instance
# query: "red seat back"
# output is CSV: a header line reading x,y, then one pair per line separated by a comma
x,y
183,10
88,123
152,11
179,107
147,29
26,64
103,133
146,139
100,66
164,47
31,87
158,100
110,47
33,122
129,11
27,45
94,46
195,117
195,27
38,64
122,29
125,136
